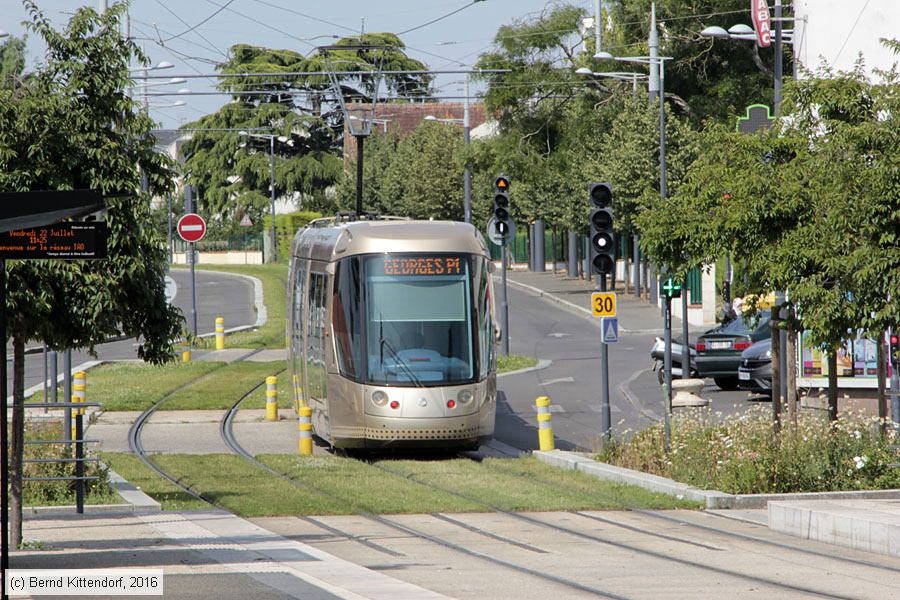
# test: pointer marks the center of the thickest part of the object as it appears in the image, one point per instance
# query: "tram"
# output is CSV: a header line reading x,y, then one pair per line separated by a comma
x,y
392,335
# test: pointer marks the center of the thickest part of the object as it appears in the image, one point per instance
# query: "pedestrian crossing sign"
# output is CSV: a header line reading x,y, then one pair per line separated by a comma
x,y
609,330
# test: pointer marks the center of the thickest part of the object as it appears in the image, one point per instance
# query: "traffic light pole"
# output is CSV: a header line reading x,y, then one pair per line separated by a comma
x,y
895,382
667,366
605,417
504,306
685,347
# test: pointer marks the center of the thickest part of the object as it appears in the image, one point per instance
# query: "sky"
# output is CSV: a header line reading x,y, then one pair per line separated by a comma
x,y
446,44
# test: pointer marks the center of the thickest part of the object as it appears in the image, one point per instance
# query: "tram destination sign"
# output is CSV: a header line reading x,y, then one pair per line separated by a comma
x,y
77,240
422,265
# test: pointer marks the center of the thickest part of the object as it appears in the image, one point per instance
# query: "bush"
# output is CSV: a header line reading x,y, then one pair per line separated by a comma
x,y
741,454
46,493
286,227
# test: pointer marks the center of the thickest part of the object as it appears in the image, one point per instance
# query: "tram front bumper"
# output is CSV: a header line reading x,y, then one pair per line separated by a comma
x,y
406,432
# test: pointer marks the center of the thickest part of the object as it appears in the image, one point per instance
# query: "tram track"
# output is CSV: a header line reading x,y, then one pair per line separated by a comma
x,y
227,431
227,434
623,545
135,443
724,532
538,522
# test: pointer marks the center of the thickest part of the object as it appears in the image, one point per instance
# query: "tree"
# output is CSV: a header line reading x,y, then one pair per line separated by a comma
x,y
12,62
707,78
813,208
71,126
232,171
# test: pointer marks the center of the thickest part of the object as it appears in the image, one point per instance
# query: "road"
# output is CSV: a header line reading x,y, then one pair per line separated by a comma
x,y
218,294
572,381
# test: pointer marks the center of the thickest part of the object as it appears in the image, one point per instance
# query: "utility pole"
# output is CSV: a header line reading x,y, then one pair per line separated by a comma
x,y
274,239
467,172
653,93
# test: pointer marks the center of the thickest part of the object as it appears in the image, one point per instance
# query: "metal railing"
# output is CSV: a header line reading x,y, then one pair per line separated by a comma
x,y
79,460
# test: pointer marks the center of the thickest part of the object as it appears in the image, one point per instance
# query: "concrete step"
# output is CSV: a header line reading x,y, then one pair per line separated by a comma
x,y
869,525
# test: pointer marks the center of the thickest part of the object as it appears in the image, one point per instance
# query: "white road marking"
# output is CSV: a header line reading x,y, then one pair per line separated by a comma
x,y
558,380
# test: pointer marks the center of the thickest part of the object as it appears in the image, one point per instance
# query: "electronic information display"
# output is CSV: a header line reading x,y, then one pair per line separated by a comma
x,y
61,241
419,265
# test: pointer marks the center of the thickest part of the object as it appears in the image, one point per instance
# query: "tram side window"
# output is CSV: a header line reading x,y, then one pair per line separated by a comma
x,y
299,291
347,318
316,318
485,324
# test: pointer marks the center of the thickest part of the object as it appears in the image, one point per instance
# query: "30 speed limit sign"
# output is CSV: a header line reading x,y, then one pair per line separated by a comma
x,y
603,304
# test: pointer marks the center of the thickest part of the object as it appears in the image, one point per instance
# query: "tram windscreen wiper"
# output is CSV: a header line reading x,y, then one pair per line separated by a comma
x,y
400,362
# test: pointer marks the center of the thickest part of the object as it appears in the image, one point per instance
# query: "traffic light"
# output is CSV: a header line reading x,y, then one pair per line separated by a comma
x,y
602,236
501,206
895,349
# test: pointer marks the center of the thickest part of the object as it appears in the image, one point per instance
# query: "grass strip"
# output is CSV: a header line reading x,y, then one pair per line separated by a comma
x,y
139,475
249,491
520,485
136,386
514,362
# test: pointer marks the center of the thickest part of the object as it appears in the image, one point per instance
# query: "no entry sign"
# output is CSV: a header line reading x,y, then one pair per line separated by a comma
x,y
191,227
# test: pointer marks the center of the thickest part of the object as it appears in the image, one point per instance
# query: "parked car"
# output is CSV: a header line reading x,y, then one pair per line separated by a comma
x,y
658,353
755,372
719,349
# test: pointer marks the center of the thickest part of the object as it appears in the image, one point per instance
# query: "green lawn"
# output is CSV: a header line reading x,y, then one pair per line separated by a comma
x,y
514,362
348,485
136,386
200,385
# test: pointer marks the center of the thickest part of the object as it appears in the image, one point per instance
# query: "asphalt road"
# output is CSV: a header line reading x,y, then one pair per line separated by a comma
x,y
572,381
218,294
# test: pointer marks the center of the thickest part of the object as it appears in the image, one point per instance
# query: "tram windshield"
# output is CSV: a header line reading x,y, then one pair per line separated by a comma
x,y
416,326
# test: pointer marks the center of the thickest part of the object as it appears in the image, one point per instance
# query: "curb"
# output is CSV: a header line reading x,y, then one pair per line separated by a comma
x,y
542,364
711,499
572,306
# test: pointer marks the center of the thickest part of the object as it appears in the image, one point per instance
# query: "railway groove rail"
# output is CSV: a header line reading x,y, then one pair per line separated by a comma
x,y
692,552
542,573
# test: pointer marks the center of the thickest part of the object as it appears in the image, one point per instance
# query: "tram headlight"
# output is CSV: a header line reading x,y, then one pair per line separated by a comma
x,y
379,398
464,396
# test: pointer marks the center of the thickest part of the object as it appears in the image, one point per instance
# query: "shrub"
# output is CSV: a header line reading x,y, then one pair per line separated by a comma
x,y
740,454
45,493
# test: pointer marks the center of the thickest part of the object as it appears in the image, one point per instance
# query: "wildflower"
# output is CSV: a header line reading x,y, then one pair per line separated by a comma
x,y
860,461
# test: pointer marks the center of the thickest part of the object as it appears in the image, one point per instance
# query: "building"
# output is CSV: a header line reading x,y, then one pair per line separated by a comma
x,y
404,118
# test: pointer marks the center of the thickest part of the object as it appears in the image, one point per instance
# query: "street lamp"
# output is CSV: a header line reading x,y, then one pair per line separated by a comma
x,y
745,32
271,137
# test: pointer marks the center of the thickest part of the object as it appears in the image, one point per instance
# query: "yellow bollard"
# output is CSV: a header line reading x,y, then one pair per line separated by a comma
x,y
220,333
271,398
79,393
185,351
545,429
298,392
305,426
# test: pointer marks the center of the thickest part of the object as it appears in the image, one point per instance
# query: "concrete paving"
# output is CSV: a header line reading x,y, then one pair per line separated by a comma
x,y
205,555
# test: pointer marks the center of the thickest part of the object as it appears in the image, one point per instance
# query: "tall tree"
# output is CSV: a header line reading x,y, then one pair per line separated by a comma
x,y
233,171
812,207
72,126
12,62
707,78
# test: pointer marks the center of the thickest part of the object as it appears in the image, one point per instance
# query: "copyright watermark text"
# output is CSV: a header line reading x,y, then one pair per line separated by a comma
x,y
84,582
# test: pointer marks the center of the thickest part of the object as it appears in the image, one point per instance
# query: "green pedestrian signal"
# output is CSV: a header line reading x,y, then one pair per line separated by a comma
x,y
670,288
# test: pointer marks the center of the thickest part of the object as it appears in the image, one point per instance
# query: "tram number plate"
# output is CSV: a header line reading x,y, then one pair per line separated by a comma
x,y
603,304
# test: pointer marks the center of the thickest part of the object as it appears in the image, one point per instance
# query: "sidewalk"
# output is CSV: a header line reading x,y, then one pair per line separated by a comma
x,y
205,554
635,315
